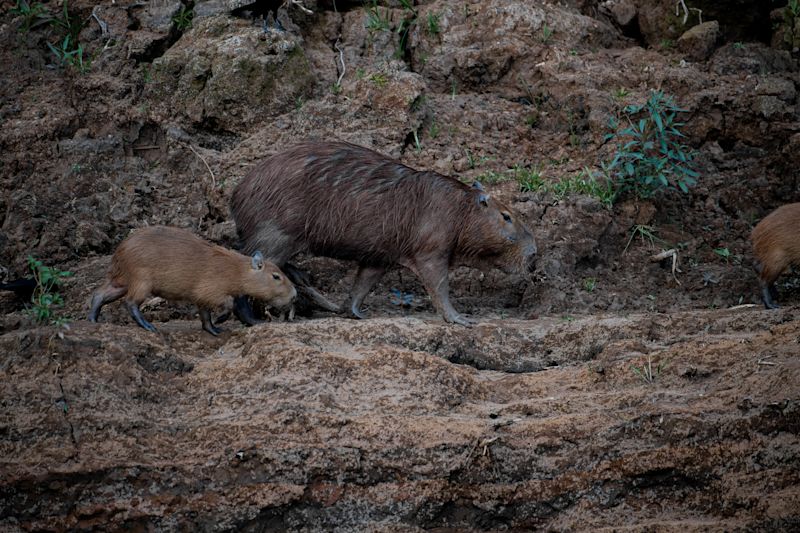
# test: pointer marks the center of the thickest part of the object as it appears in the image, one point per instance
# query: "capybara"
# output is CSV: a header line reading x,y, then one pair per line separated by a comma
x,y
348,202
776,245
177,265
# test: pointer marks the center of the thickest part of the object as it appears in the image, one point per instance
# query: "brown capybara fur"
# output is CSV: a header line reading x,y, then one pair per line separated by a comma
x,y
348,202
177,265
776,246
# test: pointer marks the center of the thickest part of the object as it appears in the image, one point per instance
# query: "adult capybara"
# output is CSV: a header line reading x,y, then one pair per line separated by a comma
x,y
178,265
776,245
348,202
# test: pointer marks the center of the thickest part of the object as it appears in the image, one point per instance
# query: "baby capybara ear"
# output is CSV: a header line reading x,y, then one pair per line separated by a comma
x,y
257,262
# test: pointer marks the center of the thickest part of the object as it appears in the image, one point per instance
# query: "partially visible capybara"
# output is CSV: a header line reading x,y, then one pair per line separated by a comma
x,y
178,265
348,202
776,245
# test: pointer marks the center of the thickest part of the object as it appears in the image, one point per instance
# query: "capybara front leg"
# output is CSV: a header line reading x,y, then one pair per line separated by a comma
x,y
133,309
208,325
244,311
106,294
433,273
366,278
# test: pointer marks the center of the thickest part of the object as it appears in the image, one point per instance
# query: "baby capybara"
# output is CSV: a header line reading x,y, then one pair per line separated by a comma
x,y
348,202
178,265
776,245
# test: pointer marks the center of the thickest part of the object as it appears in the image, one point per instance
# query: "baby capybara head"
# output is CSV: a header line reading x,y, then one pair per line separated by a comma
x,y
496,234
265,281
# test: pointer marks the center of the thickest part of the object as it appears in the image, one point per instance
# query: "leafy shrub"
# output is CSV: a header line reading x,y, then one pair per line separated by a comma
x,y
45,298
650,155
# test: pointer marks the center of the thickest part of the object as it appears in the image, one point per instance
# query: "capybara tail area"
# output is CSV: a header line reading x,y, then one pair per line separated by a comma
x,y
105,294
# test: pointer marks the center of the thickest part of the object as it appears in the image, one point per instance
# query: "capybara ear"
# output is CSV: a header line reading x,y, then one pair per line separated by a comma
x,y
484,199
477,185
258,261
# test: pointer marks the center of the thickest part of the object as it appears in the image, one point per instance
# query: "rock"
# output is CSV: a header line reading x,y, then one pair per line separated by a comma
x,y
699,42
782,88
622,11
231,74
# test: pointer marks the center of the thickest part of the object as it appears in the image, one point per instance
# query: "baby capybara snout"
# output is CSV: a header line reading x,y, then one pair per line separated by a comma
x,y
178,265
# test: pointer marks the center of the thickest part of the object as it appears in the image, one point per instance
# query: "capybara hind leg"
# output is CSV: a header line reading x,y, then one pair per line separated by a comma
x,y
366,278
106,294
133,309
433,274
771,269
208,325
303,285
767,294
244,311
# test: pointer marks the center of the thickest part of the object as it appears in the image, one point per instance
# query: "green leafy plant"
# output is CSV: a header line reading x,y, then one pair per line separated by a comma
x,y
405,26
67,54
621,93
724,253
31,13
433,130
589,284
378,79
46,299
529,179
650,155
433,23
377,21
646,371
183,18
547,33
646,233
472,161
417,144
585,182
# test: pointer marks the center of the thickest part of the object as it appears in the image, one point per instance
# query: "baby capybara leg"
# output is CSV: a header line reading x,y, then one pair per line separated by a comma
x,y
106,294
136,313
208,325
243,311
366,278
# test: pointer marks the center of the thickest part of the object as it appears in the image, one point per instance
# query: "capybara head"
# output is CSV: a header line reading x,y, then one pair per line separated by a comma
x,y
496,234
265,281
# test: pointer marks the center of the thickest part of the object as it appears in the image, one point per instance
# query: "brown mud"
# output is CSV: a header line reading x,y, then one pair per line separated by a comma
x,y
601,392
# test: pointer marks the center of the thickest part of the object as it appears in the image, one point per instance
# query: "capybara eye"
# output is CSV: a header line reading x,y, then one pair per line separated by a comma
x,y
506,217
276,276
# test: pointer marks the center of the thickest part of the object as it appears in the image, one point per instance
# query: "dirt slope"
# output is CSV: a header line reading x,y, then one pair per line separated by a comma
x,y
541,417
